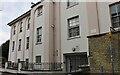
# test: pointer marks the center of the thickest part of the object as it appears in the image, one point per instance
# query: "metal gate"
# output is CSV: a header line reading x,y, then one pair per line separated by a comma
x,y
75,61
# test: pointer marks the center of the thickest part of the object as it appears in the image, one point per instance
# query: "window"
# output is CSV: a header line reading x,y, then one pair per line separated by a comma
x,y
39,34
19,44
27,43
14,30
28,26
115,15
21,26
38,59
13,45
73,27
27,63
71,3
40,11
18,60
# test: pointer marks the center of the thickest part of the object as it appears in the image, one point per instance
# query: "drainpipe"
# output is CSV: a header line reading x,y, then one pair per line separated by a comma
x,y
98,17
53,32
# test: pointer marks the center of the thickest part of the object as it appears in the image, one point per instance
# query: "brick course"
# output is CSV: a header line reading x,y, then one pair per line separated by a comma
x,y
100,54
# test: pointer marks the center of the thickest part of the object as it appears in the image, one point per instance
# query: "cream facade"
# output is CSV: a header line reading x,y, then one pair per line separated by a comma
x,y
58,32
16,53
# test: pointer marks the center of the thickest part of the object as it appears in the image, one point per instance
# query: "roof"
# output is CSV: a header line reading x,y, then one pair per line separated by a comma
x,y
23,15
37,3
19,18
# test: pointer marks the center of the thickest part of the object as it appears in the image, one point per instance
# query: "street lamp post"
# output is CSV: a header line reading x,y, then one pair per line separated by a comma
x,y
109,35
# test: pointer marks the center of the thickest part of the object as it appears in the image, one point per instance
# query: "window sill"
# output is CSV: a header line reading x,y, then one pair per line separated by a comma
x,y
38,43
70,38
72,6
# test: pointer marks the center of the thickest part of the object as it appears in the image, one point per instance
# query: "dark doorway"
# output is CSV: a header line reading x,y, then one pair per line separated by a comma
x,y
27,64
74,61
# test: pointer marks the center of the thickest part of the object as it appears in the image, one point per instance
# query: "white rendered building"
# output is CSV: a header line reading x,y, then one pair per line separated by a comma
x,y
56,32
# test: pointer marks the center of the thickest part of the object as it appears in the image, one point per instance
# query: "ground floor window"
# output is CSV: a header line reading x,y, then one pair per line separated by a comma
x,y
26,63
18,60
38,59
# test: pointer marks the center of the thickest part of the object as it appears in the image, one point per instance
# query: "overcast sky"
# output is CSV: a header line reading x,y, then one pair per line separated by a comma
x,y
11,9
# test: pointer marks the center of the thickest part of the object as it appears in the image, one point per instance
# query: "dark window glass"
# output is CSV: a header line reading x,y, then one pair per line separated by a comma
x,y
13,46
27,43
19,48
40,11
39,34
115,15
14,30
21,26
28,26
38,59
71,3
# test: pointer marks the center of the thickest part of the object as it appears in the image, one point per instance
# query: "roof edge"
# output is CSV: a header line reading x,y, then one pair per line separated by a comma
x,y
36,3
19,18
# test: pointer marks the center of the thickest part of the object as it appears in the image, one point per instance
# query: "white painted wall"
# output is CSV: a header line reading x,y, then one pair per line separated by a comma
x,y
82,42
104,16
27,34
46,21
38,49
22,54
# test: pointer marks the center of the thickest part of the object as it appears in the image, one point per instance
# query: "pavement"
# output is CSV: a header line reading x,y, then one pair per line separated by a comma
x,y
15,72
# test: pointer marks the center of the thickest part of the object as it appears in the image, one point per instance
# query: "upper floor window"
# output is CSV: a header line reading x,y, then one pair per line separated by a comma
x,y
27,43
73,26
71,3
28,26
19,47
40,11
21,23
115,15
14,30
13,45
39,34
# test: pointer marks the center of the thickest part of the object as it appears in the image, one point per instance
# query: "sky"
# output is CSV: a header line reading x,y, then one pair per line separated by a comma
x,y
9,10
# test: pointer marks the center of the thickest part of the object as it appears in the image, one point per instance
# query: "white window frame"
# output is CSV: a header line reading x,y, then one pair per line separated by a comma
x,y
28,26
115,17
27,42
21,24
73,23
19,46
38,61
14,30
13,46
40,11
71,3
39,35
